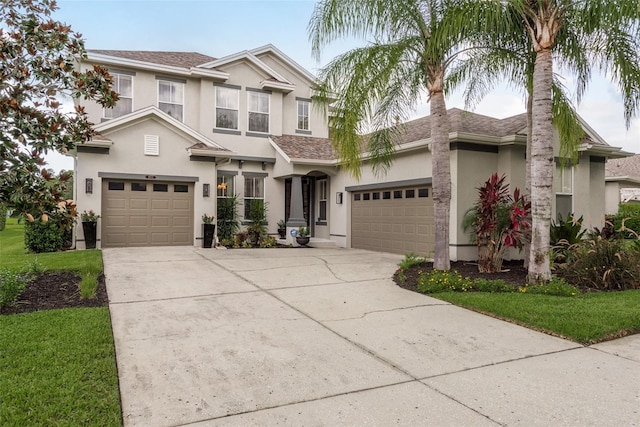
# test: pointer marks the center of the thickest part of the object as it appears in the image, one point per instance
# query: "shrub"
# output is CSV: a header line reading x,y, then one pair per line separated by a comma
x,y
411,260
628,216
258,217
268,242
496,222
3,216
603,264
443,281
556,287
564,233
11,286
43,236
227,222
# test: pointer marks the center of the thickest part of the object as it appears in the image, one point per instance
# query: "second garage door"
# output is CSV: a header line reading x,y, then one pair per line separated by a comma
x,y
398,220
142,213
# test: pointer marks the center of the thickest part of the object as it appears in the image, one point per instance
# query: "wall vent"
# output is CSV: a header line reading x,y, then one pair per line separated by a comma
x,y
151,145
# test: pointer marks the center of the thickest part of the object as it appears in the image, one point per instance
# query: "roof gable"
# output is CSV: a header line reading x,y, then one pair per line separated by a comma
x,y
201,141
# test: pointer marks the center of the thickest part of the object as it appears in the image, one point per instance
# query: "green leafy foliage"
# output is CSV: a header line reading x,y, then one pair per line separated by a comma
x,y
43,236
3,216
228,223
603,264
496,222
556,286
11,286
492,286
411,260
304,231
443,281
257,229
564,233
627,218
38,59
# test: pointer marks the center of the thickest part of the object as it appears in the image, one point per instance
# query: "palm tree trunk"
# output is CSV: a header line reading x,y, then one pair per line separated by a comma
x,y
441,179
541,167
527,178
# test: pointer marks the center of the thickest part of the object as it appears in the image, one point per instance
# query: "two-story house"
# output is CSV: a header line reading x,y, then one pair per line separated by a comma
x,y
187,123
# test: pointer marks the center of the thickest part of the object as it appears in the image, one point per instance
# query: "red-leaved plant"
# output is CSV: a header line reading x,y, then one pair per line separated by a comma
x,y
497,221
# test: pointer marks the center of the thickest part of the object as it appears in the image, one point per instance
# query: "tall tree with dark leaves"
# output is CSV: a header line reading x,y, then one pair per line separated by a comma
x,y
38,71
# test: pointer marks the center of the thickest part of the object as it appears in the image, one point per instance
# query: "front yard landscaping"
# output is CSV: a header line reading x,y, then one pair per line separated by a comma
x,y
58,365
557,309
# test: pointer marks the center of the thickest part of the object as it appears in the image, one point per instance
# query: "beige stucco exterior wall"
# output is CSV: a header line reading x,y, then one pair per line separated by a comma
x,y
127,156
611,197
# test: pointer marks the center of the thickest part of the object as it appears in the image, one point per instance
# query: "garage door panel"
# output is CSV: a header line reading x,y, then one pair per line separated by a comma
x,y
146,218
397,224
161,204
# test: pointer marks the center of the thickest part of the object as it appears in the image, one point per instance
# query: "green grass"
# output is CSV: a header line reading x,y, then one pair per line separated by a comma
x,y
586,318
13,256
57,367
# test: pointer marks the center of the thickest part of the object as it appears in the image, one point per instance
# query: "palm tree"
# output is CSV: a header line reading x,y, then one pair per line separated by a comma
x,y
372,87
582,35
511,57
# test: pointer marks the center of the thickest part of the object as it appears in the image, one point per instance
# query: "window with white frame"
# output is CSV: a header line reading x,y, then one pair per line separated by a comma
x,y
123,85
171,98
227,103
322,200
253,190
224,186
258,112
303,114
564,190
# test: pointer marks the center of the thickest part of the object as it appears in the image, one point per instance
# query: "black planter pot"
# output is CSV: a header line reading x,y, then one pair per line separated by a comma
x,y
208,232
282,232
302,241
90,230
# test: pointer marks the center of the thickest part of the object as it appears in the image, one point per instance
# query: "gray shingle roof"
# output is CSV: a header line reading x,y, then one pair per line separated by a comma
x,y
176,59
627,166
466,121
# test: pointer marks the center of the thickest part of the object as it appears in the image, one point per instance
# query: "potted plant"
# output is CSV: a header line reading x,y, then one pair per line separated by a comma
x,y
89,228
282,229
303,236
208,230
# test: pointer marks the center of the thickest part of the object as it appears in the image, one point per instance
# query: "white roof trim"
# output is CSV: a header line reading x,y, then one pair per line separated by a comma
x,y
245,55
277,52
154,111
279,150
284,87
115,60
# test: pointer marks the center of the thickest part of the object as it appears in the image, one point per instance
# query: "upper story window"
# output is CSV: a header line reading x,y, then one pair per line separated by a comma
x,y
303,114
227,102
171,98
258,111
224,186
123,84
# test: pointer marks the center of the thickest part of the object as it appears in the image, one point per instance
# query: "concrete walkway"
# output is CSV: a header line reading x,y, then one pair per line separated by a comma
x,y
323,337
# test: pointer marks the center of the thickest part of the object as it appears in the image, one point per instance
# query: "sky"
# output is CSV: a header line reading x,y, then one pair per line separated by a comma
x,y
222,27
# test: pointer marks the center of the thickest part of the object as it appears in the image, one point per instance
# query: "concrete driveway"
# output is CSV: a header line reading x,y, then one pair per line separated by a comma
x,y
323,337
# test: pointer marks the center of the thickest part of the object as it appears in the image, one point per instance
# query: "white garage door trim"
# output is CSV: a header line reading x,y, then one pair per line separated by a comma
x,y
147,213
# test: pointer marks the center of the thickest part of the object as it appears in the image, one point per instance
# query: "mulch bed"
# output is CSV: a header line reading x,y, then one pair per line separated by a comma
x,y
53,290
513,273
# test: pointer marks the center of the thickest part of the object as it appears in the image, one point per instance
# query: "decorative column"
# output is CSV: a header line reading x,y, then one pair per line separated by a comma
x,y
296,213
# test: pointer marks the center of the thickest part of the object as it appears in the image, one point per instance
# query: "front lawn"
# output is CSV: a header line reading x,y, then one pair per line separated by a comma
x,y
586,318
14,257
556,309
57,367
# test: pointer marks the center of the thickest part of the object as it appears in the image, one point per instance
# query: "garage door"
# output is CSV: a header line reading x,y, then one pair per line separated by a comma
x,y
142,213
398,220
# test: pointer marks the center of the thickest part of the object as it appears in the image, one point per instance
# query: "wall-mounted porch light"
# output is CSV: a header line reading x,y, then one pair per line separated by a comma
x,y
88,185
339,198
206,190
